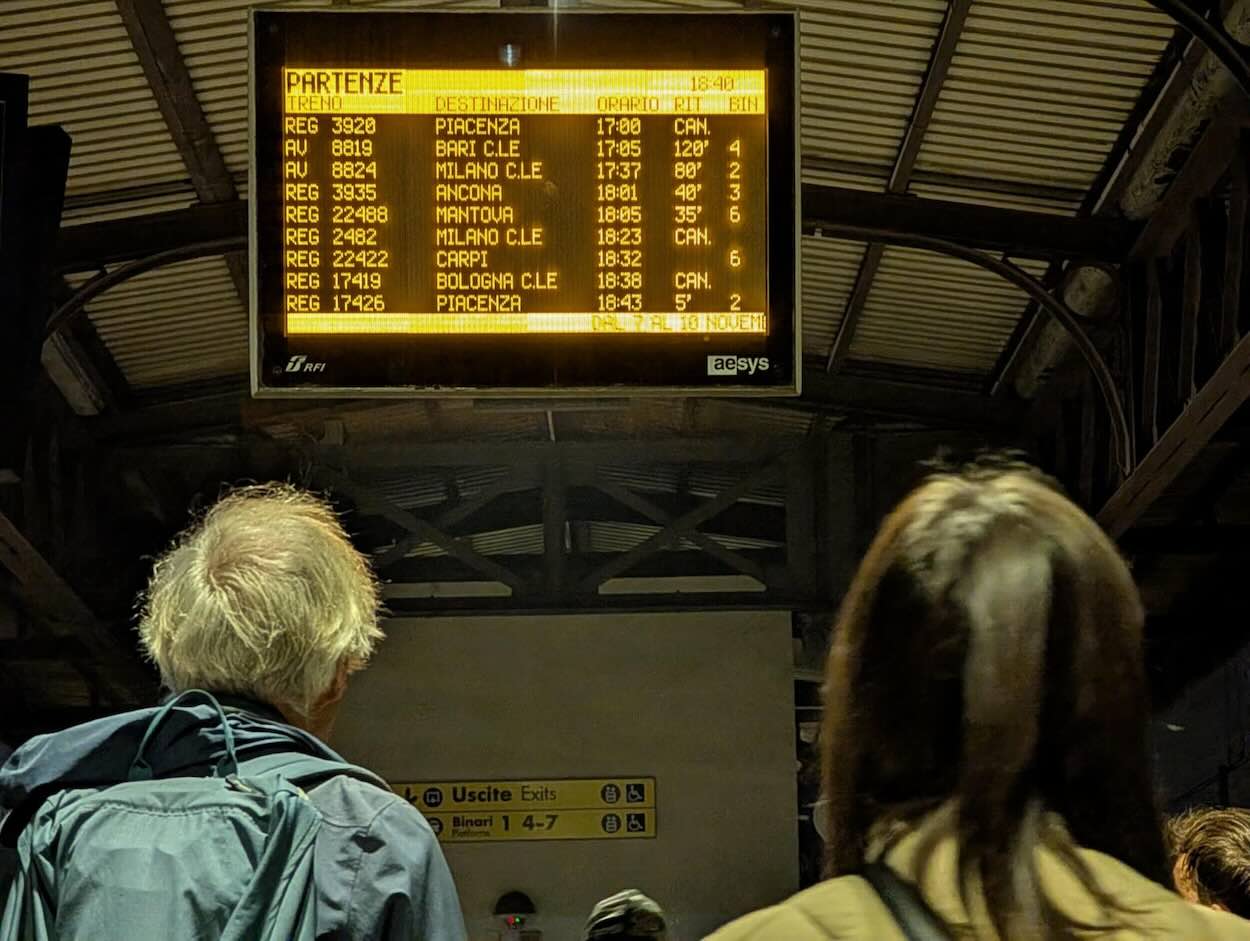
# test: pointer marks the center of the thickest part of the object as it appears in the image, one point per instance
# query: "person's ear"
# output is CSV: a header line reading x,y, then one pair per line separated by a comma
x,y
338,688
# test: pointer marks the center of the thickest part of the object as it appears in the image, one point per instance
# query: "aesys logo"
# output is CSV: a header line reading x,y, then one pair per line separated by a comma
x,y
301,363
736,365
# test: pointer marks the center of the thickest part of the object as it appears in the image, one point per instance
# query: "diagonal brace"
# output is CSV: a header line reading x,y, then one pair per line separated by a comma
x,y
645,507
681,526
370,500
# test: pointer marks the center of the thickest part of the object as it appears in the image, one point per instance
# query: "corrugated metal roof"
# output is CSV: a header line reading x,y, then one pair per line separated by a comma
x,y
176,324
622,537
86,76
655,478
939,312
712,483
1039,90
862,65
1036,95
700,483
829,270
411,489
519,540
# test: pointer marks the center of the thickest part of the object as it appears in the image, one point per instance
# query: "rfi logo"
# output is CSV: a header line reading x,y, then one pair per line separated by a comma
x,y
736,365
300,363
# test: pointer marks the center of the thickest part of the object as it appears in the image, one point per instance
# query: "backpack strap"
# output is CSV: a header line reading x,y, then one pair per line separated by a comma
x,y
306,771
140,770
914,917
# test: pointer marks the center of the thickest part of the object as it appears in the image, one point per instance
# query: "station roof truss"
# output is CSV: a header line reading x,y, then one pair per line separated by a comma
x,y
1006,127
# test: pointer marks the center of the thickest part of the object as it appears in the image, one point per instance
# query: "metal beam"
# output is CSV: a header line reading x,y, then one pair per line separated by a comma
x,y
380,456
1222,395
583,504
448,517
900,177
82,367
1163,92
1023,234
682,563
1212,34
369,501
76,304
1028,328
680,527
656,514
911,402
1160,96
619,604
91,246
45,594
1203,169
1054,306
555,523
872,397
156,45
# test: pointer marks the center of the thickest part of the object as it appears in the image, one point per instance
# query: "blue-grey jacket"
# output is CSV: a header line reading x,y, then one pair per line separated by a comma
x,y
380,873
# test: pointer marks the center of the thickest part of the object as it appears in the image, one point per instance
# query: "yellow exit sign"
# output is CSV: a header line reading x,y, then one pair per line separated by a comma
x,y
497,826
537,809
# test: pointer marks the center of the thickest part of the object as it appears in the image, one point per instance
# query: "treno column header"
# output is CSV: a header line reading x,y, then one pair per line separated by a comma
x,y
533,91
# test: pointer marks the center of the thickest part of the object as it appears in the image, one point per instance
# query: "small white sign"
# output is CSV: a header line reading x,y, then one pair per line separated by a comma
x,y
736,365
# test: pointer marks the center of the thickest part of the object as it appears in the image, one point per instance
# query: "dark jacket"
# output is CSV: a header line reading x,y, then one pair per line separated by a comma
x,y
380,873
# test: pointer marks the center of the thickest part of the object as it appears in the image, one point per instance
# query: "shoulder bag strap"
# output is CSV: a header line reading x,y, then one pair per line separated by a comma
x,y
914,917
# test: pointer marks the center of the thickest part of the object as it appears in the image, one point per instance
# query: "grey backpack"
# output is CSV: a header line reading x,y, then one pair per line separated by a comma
x,y
227,856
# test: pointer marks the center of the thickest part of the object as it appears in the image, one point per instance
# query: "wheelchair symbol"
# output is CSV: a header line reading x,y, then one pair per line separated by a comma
x,y
636,823
635,793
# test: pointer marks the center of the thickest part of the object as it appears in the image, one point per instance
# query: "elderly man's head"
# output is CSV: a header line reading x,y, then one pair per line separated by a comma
x,y
264,597
1211,854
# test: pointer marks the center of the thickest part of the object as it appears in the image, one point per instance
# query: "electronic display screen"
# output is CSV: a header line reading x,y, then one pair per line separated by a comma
x,y
523,202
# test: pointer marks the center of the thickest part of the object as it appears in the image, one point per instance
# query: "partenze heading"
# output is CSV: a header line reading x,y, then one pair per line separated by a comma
x,y
344,81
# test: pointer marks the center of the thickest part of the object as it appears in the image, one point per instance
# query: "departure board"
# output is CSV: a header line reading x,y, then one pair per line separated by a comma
x,y
523,202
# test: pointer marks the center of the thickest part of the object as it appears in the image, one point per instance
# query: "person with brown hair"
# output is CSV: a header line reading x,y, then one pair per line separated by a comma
x,y
986,767
1211,857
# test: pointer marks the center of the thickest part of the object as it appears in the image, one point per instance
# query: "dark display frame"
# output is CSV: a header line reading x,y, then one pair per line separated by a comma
x,y
522,365
14,102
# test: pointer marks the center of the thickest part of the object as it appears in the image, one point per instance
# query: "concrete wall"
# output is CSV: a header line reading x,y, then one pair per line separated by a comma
x,y
702,702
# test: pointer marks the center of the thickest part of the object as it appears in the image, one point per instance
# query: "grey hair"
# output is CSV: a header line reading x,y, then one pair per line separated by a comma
x,y
264,596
